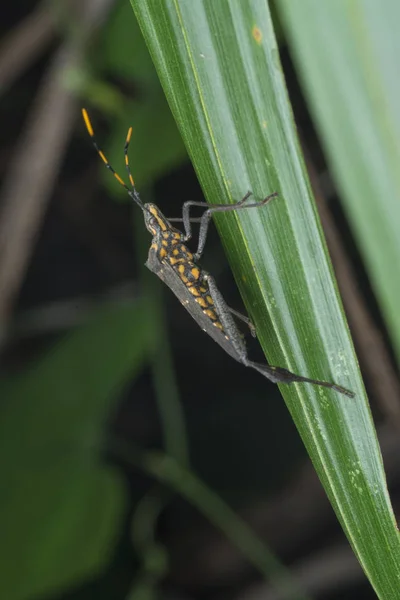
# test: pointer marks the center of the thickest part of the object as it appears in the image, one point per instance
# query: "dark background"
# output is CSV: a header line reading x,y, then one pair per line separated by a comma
x,y
97,355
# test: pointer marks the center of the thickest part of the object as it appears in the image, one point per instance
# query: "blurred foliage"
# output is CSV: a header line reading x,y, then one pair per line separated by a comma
x,y
60,508
121,58
347,54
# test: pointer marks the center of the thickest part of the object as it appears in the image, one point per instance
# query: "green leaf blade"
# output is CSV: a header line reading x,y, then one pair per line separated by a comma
x,y
225,87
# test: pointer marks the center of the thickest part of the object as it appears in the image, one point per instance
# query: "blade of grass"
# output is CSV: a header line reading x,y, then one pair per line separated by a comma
x,y
219,66
348,56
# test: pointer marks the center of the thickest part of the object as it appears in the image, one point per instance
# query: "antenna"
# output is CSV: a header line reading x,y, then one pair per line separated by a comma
x,y
132,192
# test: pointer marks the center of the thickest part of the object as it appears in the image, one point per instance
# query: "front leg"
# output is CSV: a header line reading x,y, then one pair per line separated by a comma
x,y
204,220
206,217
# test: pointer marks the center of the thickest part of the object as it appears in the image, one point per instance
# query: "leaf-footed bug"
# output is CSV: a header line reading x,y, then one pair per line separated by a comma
x,y
171,260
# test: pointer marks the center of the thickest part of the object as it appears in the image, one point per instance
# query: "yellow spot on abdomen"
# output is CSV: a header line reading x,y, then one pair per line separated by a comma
x,y
195,272
193,290
163,252
202,302
210,313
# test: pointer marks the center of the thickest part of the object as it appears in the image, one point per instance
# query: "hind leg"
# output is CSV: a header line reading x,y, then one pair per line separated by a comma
x,y
274,374
245,319
281,375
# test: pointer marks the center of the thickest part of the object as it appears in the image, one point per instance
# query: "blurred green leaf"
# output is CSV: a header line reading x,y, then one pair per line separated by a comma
x,y
123,51
156,146
60,505
348,56
219,65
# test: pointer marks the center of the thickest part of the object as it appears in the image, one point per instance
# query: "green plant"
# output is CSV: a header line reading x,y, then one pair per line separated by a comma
x,y
219,66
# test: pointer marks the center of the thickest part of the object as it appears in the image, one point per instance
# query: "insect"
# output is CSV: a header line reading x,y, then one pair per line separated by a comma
x,y
172,261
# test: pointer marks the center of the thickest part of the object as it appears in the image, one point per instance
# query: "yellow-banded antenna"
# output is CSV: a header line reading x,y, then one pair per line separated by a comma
x,y
127,142
132,192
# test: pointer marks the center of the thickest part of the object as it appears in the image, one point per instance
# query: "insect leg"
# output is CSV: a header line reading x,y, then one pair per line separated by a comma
x,y
180,220
245,319
274,374
204,220
280,375
206,217
221,306
187,220
232,333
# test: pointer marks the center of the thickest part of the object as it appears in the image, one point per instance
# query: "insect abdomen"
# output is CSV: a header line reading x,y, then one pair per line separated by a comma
x,y
191,275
